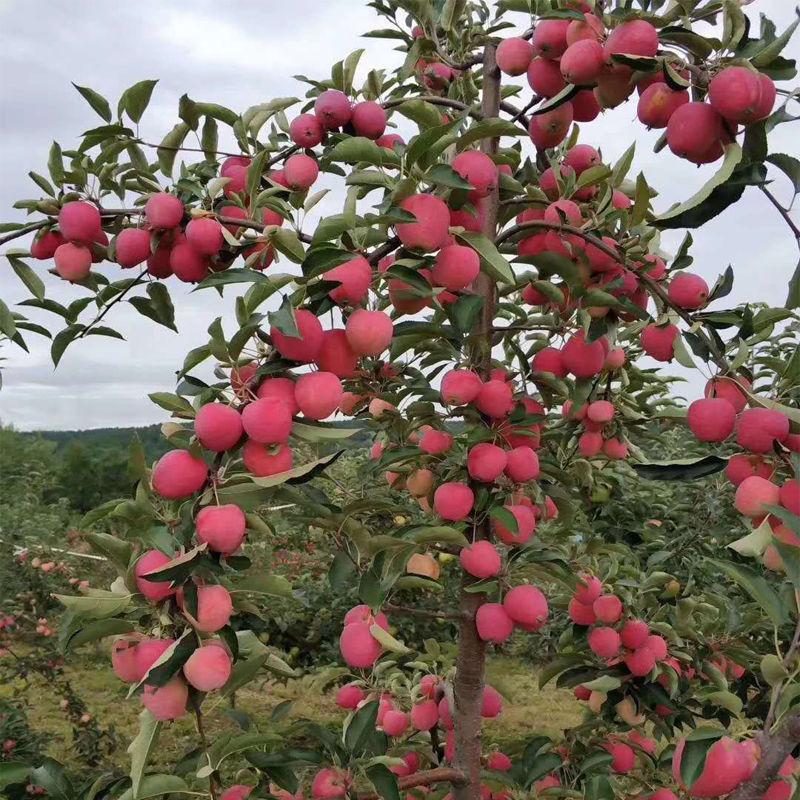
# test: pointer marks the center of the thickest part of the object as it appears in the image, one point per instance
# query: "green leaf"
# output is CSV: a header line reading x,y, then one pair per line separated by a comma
x,y
135,99
358,149
361,727
286,242
773,669
676,216
98,604
445,175
693,759
755,543
384,781
492,261
322,432
789,165
13,772
97,630
26,274
176,405
42,183
142,748
489,129
117,551
61,341
765,56
156,786
167,150
426,115
267,584
426,146
757,587
96,101
680,470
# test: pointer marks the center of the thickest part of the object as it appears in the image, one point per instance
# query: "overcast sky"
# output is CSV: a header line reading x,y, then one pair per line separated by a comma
x,y
241,53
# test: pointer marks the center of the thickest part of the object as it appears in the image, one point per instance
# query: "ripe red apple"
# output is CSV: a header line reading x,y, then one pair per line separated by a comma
x,y
163,211
658,341
318,394
711,419
527,607
431,229
513,55
73,262
333,109
209,667
350,696
481,559
604,642
221,527
218,426
456,266
607,608
178,475
263,460
358,646
495,399
305,347
453,501
306,130
167,702
758,428
132,247
493,623
354,278
550,38
79,221
753,494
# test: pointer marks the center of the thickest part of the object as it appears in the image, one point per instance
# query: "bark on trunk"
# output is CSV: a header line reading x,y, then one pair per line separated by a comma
x,y
471,661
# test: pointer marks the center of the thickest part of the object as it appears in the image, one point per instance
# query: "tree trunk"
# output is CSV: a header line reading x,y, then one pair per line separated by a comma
x,y
471,660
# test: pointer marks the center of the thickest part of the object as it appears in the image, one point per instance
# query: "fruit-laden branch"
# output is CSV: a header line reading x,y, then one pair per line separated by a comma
x,y
774,750
424,778
717,355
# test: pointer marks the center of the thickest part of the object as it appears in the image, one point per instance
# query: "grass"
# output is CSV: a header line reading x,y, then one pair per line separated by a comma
x,y
527,710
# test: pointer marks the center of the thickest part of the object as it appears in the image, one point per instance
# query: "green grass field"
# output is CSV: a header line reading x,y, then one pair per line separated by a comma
x,y
528,711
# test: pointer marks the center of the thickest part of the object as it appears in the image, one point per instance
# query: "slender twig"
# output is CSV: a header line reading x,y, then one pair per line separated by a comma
x,y
137,281
435,100
184,149
213,785
383,250
422,612
782,211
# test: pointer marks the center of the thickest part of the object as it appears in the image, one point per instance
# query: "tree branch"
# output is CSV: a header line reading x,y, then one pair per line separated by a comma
x,y
782,211
422,612
774,750
137,281
24,230
424,778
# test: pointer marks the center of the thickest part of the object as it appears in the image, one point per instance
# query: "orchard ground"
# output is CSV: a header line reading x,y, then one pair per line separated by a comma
x,y
552,709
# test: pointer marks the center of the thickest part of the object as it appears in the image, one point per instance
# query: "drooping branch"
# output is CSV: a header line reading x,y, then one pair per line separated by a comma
x,y
424,778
